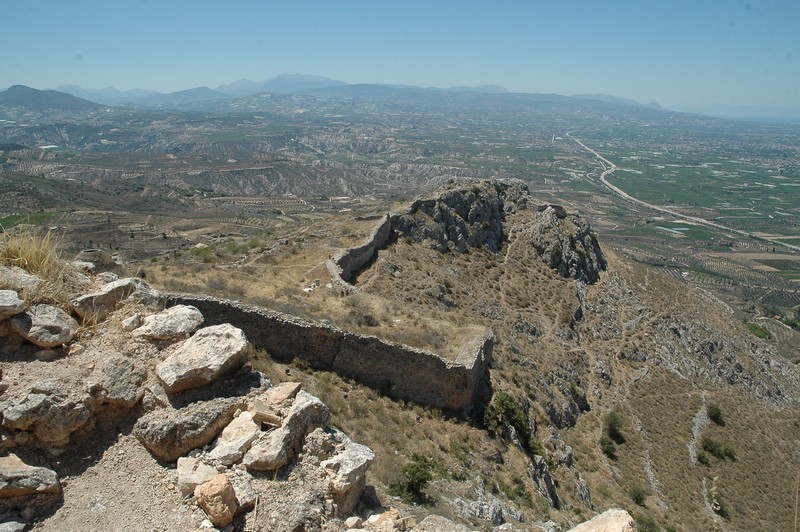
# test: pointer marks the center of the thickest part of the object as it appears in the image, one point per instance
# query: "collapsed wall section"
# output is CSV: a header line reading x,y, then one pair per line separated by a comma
x,y
397,370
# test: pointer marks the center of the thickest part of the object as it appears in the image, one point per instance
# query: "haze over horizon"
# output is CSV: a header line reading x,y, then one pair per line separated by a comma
x,y
715,57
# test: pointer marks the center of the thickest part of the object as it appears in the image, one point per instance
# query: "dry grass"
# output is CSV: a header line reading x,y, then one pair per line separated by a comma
x,y
38,254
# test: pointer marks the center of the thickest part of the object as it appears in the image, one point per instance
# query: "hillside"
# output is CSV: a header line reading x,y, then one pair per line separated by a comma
x,y
22,96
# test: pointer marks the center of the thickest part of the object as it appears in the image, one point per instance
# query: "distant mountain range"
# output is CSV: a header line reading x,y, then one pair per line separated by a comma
x,y
72,97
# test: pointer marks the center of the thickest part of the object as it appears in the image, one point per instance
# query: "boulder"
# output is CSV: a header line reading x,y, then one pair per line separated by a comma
x,y
218,499
18,279
278,447
18,478
121,381
243,487
176,322
208,354
131,323
265,412
45,326
613,520
346,471
235,440
171,433
52,410
192,472
98,305
10,304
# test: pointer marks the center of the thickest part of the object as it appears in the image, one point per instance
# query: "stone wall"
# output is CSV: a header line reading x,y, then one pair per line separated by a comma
x,y
347,262
397,370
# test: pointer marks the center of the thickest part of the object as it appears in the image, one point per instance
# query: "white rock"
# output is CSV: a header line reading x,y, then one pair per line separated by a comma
x,y
176,322
98,305
132,322
10,304
208,354
613,520
192,472
347,467
235,440
18,279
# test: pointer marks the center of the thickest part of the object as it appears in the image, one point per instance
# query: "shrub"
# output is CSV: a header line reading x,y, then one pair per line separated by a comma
x,y
637,494
608,447
415,478
645,523
613,427
505,411
702,457
715,414
759,331
717,449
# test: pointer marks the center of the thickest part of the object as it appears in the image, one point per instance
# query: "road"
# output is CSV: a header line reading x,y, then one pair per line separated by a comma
x,y
609,168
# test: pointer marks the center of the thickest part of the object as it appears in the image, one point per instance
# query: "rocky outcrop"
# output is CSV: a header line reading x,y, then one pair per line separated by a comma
x,y
613,520
208,354
566,243
463,217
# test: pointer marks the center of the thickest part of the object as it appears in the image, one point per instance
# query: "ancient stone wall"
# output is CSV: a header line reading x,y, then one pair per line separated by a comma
x,y
347,262
397,370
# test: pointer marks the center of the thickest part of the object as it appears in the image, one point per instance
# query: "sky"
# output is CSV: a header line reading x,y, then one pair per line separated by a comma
x,y
685,55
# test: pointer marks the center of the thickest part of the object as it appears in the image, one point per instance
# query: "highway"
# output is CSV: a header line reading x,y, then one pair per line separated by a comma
x,y
609,168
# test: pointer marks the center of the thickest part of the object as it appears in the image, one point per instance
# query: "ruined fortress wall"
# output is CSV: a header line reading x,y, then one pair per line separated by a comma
x,y
347,262
399,371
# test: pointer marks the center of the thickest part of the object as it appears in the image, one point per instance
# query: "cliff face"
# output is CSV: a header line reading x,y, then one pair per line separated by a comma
x,y
463,217
566,243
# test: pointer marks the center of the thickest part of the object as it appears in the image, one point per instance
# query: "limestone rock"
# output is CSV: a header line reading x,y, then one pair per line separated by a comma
x,y
279,446
613,520
568,245
131,323
437,523
192,472
209,353
10,304
121,381
18,478
98,305
235,440
107,277
218,499
347,473
18,279
45,326
52,411
176,322
283,391
264,412
171,433
246,496
83,266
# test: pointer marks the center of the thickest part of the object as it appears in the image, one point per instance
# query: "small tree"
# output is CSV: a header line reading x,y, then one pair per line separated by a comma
x,y
613,427
608,447
415,478
637,494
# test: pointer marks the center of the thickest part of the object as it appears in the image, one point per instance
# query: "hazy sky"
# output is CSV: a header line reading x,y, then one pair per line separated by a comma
x,y
677,53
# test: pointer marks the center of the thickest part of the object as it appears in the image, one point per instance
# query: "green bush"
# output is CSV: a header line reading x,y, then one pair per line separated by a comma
x,y
505,411
637,494
608,447
715,414
758,330
717,449
702,457
613,427
415,478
